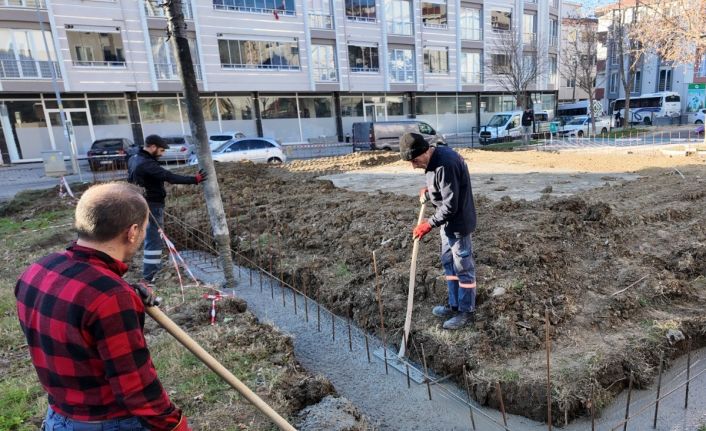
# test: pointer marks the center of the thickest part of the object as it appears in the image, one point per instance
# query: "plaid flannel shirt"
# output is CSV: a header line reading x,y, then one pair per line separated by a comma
x,y
84,328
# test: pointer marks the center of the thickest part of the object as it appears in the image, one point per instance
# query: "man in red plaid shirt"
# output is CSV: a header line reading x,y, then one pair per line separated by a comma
x,y
84,323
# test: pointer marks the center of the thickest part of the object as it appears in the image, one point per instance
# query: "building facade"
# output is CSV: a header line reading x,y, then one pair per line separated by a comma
x,y
291,69
652,74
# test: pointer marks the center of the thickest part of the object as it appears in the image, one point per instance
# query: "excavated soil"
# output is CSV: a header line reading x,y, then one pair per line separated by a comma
x,y
617,266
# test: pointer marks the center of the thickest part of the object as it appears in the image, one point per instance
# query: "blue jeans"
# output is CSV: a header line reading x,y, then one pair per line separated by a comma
x,y
56,422
460,271
152,260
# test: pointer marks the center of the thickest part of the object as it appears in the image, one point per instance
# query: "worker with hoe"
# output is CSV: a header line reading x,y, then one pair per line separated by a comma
x,y
449,191
84,323
144,170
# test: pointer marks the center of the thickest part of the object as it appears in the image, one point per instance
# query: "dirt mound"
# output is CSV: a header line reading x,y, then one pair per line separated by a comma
x,y
349,162
566,255
332,414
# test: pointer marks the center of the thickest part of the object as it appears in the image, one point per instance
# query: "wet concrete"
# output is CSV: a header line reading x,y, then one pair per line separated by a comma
x,y
384,396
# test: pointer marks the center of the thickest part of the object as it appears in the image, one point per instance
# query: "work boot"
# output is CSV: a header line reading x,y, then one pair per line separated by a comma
x,y
460,320
444,311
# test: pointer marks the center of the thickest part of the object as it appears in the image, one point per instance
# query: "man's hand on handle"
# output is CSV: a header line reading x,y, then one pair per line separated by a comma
x,y
201,176
146,294
422,229
423,195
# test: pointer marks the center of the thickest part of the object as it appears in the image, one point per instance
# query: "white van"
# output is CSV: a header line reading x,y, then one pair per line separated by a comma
x,y
502,126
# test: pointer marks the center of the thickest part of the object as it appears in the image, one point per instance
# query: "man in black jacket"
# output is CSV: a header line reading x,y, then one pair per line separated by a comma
x,y
144,170
449,191
527,120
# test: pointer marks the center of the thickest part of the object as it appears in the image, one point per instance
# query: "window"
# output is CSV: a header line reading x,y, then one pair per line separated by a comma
x,y
436,60
324,62
553,33
360,10
529,29
22,55
320,14
471,24
637,82
500,21
162,110
665,80
280,7
613,53
702,66
470,68
110,111
256,54
363,58
96,49
434,14
499,64
315,107
398,14
613,83
165,57
426,129
235,108
552,69
401,65
273,108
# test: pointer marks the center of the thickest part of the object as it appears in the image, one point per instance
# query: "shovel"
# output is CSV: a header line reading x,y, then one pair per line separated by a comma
x,y
410,293
217,368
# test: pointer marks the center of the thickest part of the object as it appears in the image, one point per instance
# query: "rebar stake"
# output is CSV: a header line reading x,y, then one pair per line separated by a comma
x,y
378,294
409,384
350,338
688,374
284,301
547,341
306,304
318,314
426,372
468,392
294,299
659,388
367,347
499,393
627,405
333,327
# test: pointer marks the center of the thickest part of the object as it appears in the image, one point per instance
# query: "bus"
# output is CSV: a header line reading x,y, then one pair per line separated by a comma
x,y
646,107
579,109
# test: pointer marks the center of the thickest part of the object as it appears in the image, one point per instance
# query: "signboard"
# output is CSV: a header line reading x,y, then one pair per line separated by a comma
x,y
553,127
696,97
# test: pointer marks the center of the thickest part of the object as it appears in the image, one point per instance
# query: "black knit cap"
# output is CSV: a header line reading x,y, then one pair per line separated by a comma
x,y
156,140
412,145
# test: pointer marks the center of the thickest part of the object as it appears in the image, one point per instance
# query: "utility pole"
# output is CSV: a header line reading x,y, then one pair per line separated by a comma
x,y
212,193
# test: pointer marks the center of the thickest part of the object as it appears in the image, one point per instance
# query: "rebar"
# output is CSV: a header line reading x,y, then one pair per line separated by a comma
x,y
627,404
318,314
333,327
426,371
306,304
499,393
688,373
659,388
367,347
284,301
468,392
378,294
549,375
294,299
350,338
409,383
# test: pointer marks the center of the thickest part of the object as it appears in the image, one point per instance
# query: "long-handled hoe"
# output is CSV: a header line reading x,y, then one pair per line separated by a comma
x,y
217,368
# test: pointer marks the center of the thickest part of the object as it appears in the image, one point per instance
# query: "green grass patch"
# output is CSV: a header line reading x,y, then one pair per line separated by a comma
x,y
10,226
504,146
18,403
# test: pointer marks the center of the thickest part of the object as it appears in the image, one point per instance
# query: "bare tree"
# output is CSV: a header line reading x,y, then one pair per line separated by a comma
x,y
516,66
212,194
627,49
580,53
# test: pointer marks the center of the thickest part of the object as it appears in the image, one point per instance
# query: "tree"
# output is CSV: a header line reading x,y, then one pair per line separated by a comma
x,y
516,66
212,193
580,53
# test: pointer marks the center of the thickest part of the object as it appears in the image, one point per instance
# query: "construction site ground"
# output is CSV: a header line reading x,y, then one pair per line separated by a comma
x,y
610,242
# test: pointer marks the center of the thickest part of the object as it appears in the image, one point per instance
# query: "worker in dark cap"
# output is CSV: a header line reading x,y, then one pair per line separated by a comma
x,y
144,170
449,192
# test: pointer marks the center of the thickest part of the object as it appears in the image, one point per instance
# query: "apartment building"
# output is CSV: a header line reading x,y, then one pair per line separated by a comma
x,y
290,69
652,74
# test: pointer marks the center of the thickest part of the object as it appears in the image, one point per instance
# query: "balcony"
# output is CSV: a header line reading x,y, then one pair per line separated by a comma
x,y
28,69
260,66
365,69
23,3
472,78
236,6
170,72
325,74
402,76
94,63
400,28
153,9
320,20
553,42
529,39
475,34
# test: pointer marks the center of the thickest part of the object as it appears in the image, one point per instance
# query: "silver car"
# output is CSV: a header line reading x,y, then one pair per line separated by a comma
x,y
180,149
258,150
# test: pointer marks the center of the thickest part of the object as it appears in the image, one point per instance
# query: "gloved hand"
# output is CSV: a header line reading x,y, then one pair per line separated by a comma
x,y
183,425
201,176
146,294
423,195
422,229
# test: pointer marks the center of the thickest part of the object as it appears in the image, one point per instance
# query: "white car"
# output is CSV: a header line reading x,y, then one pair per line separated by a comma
x,y
581,125
258,150
699,117
215,140
180,148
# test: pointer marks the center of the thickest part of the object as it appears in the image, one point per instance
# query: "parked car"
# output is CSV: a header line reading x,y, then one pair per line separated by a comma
x,y
699,118
180,148
581,125
258,150
111,153
215,140
502,126
385,135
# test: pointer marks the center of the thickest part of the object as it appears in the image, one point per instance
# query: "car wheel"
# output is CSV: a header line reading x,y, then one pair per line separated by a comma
x,y
604,131
93,166
647,121
386,149
580,134
698,122
274,160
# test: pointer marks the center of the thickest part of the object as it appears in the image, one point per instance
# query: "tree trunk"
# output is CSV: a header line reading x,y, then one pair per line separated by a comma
x,y
212,194
590,110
